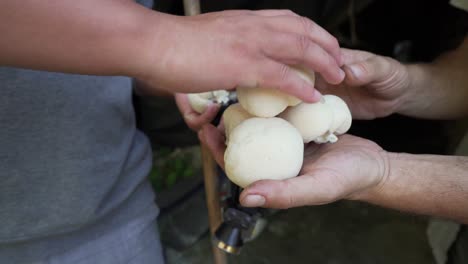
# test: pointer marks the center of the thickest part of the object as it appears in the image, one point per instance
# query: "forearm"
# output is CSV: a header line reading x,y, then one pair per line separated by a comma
x,y
425,184
106,37
439,90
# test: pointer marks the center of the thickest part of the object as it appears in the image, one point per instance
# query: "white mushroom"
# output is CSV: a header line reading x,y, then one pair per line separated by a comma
x,y
232,117
263,148
320,122
267,102
342,118
312,120
200,101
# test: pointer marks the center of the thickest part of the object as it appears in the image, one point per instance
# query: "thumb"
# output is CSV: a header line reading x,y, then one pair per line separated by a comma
x,y
373,69
312,189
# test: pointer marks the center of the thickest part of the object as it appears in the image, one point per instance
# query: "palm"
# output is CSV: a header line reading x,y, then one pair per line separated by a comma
x,y
343,168
330,172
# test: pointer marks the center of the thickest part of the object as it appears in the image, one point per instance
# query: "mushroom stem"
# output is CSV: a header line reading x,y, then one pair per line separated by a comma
x,y
326,138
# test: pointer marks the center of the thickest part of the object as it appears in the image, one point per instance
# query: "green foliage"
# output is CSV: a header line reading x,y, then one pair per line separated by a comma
x,y
170,166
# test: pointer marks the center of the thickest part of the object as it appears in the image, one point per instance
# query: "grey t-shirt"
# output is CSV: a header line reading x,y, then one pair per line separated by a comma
x,y
70,155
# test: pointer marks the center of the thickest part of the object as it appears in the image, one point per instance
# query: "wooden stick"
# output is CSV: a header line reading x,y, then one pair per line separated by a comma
x,y
192,7
212,200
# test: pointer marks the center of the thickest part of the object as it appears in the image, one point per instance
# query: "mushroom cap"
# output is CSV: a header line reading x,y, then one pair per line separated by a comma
x,y
342,118
263,102
269,102
263,148
233,116
312,120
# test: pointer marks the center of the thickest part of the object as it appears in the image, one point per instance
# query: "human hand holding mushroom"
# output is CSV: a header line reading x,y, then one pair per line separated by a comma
x,y
358,169
266,131
349,168
375,86
224,55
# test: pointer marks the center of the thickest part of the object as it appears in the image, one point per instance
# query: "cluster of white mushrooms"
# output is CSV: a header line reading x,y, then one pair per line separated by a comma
x,y
267,129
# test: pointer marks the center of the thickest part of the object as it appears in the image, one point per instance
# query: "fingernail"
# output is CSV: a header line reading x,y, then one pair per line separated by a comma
x,y
253,200
342,74
355,71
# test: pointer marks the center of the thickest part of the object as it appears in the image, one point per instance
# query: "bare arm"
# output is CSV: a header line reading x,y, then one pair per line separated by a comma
x,y
358,169
106,37
377,86
219,50
439,89
424,184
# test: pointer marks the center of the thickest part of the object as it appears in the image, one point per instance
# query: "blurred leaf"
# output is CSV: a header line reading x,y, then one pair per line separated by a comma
x,y
171,179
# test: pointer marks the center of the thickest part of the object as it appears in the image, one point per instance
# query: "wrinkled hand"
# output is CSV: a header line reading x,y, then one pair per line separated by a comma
x,y
347,169
223,50
374,86
193,119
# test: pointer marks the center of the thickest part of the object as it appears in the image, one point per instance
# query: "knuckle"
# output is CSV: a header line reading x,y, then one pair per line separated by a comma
x,y
335,44
331,62
303,44
287,200
330,195
284,72
307,24
327,62
240,49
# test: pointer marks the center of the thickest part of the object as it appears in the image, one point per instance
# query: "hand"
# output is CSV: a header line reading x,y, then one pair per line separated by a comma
x,y
375,86
194,120
348,169
223,50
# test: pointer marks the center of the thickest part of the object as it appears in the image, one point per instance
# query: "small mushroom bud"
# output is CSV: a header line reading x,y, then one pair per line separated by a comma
x,y
267,102
263,148
200,101
232,117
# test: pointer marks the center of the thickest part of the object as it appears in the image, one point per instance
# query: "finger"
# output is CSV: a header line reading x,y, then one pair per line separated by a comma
x,y
195,121
275,12
298,191
209,114
373,69
183,104
303,26
221,127
280,76
351,56
214,140
298,49
263,12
